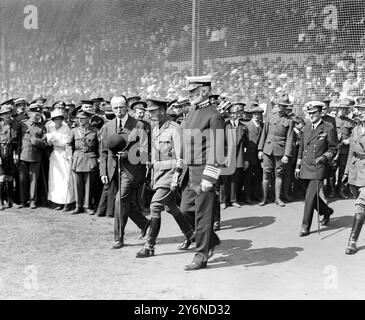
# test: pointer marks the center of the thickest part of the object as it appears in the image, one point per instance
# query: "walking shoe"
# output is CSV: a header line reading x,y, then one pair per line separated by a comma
x,y
145,252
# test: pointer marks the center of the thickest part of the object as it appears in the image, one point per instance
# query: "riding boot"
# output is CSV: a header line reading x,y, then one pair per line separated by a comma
x,y
149,248
265,191
2,192
355,232
278,184
9,189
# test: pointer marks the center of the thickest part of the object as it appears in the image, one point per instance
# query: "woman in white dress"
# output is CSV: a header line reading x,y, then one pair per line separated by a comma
x,y
60,184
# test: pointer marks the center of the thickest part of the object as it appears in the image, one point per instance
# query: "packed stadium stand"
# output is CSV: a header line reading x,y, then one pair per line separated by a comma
x,y
252,48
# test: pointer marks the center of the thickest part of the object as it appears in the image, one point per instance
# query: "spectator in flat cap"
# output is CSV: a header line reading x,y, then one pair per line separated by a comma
x,y
38,99
60,184
84,145
132,171
96,106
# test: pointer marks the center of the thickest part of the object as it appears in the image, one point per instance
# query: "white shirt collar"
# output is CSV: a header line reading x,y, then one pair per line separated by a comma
x,y
124,119
315,125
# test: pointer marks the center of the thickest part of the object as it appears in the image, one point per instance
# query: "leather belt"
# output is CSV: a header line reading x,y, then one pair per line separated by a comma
x,y
360,156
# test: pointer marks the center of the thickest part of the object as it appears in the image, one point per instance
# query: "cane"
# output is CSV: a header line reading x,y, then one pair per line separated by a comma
x,y
119,182
317,176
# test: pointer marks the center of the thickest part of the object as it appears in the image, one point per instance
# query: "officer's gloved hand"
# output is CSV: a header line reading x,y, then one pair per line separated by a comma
x,y
259,155
320,160
345,179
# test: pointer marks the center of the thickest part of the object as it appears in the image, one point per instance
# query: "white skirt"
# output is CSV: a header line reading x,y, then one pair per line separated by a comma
x,y
60,182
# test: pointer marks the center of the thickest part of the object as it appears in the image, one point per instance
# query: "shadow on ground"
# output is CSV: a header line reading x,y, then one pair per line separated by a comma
x,y
237,252
248,223
337,223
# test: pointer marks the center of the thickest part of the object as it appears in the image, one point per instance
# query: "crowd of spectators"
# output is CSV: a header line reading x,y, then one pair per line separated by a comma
x,y
131,56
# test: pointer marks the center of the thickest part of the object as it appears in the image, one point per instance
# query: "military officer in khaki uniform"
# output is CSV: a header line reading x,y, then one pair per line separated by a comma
x,y
9,136
355,176
318,146
344,126
276,147
32,144
167,167
83,145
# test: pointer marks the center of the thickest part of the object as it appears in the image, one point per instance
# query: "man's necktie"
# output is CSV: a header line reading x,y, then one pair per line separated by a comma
x,y
120,125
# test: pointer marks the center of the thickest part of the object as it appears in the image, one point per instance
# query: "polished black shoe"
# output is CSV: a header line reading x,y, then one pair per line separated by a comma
x,y
58,208
144,230
195,265
217,226
20,205
146,252
326,217
185,245
100,214
247,200
118,245
78,210
2,207
303,233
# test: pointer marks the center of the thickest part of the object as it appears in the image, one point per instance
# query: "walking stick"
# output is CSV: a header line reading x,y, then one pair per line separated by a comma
x,y
317,176
119,183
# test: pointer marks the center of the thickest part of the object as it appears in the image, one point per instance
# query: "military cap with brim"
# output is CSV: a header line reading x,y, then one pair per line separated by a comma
x,y
198,81
19,101
98,99
346,102
82,114
116,142
35,107
133,99
214,96
70,104
9,101
172,102
283,100
6,108
87,102
59,104
256,110
360,106
314,106
156,103
38,98
139,105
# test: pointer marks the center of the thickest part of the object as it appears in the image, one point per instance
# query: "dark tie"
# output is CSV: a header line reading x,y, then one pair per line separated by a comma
x,y
313,127
120,125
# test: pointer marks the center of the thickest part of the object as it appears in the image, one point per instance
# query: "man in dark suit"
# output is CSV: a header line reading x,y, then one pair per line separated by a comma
x,y
132,165
317,148
237,136
253,174
276,147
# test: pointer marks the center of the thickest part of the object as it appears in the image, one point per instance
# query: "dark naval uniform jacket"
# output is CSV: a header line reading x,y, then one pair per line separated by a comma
x,y
254,134
314,144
